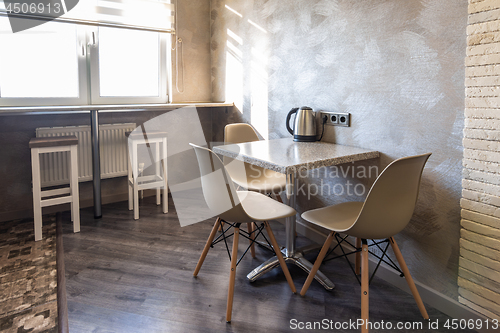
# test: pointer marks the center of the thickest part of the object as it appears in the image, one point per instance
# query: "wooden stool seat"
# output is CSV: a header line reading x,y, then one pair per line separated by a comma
x,y
146,136
60,195
53,141
158,157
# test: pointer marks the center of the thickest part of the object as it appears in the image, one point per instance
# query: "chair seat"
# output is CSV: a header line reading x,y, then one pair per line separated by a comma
x,y
338,218
267,181
260,207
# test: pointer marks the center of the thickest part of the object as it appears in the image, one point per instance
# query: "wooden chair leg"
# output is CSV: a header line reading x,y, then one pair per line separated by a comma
x,y
408,278
277,251
232,274
207,247
358,256
365,285
317,263
221,226
278,197
251,229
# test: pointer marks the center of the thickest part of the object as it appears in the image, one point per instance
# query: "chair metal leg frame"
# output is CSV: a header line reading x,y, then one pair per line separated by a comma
x,y
211,241
339,243
381,258
344,254
224,238
365,278
357,252
265,245
252,235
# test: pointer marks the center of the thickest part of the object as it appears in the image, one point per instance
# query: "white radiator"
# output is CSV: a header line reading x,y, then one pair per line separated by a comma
x,y
113,152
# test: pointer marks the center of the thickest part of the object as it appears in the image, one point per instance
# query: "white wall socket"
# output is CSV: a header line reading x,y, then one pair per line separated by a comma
x,y
336,118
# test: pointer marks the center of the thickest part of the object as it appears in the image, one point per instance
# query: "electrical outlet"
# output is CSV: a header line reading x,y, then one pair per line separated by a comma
x,y
337,118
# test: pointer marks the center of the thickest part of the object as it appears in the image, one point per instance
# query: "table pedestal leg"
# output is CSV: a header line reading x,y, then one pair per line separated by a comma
x,y
298,260
96,163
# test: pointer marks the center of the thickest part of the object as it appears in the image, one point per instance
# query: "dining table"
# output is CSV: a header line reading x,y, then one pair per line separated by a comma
x,y
293,159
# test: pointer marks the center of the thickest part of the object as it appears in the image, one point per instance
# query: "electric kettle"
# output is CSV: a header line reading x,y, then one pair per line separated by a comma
x,y
304,124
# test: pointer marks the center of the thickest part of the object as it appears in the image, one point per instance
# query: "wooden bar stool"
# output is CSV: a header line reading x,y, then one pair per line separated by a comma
x,y
56,196
158,157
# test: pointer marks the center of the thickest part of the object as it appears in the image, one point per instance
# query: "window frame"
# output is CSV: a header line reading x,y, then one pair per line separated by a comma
x,y
96,98
88,75
81,99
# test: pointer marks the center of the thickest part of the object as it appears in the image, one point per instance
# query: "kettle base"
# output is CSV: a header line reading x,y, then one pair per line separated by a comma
x,y
304,138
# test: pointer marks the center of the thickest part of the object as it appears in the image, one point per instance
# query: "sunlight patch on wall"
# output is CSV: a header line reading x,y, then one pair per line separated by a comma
x,y
233,11
259,94
234,36
257,26
234,76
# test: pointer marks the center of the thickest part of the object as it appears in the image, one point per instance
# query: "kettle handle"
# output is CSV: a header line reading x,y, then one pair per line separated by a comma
x,y
292,111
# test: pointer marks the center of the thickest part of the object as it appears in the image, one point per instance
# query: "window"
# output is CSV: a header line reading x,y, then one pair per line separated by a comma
x,y
72,62
127,66
40,65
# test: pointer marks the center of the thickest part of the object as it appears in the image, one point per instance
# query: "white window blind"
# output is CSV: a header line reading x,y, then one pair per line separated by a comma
x,y
150,15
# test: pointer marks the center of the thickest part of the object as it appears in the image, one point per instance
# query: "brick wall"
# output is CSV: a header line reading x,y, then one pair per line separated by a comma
x,y
479,268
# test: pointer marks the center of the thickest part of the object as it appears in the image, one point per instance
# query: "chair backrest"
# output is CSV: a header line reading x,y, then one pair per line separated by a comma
x,y
239,133
390,203
218,189
240,171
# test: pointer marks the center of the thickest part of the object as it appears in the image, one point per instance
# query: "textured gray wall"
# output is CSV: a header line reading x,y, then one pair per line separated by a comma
x,y
396,66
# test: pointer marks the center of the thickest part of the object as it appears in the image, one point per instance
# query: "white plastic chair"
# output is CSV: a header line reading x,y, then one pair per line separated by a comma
x,y
254,178
236,207
386,211
251,177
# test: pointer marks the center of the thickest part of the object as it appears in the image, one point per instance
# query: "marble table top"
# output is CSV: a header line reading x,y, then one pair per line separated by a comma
x,y
286,156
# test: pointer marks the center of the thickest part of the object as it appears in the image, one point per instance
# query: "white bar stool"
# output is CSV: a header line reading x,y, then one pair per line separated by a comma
x,y
61,195
158,157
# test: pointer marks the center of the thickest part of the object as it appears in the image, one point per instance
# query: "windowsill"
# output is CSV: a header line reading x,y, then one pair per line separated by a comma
x,y
12,110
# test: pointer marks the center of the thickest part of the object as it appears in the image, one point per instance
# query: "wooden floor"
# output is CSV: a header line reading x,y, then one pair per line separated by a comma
x,y
124,276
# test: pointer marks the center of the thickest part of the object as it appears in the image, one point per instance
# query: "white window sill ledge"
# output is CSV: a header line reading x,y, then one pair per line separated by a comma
x,y
5,111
